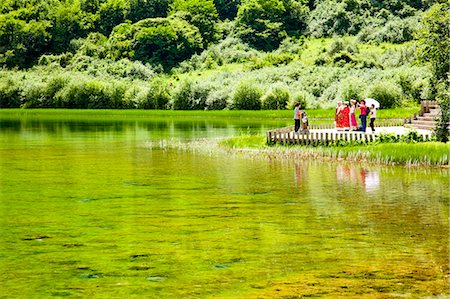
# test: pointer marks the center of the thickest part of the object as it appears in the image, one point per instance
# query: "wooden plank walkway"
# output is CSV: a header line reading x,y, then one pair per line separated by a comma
x,y
327,136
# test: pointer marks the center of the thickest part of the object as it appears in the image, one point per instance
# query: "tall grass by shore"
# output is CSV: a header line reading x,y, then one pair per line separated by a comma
x,y
402,153
314,114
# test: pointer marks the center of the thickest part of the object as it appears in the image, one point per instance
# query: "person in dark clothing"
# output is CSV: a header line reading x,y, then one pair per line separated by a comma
x,y
296,117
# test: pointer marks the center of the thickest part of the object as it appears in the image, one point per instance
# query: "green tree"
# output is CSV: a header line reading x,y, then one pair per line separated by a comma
x,y
434,40
69,22
164,41
227,9
143,9
200,13
434,48
259,23
111,14
22,42
335,18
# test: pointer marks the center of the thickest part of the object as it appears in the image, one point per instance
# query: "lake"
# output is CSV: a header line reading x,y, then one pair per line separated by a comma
x,y
91,208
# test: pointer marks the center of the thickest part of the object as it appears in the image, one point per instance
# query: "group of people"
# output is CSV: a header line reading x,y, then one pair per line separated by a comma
x,y
300,119
345,116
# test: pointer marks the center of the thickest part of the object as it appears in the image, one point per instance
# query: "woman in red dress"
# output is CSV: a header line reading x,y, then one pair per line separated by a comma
x,y
345,117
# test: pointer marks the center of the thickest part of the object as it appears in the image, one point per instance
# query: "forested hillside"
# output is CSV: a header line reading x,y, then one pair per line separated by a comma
x,y
205,54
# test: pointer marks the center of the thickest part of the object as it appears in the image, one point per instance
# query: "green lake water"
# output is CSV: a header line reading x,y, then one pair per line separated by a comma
x,y
89,209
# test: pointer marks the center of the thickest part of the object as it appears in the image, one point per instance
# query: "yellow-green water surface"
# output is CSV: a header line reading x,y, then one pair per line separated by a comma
x,y
89,210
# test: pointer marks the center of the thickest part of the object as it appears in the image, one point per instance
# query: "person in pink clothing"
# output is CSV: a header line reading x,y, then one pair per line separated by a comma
x,y
353,123
363,115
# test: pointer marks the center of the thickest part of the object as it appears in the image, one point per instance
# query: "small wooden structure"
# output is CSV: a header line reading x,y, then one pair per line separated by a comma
x,y
286,136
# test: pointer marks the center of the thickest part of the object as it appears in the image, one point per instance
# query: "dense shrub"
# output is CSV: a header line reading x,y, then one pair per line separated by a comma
x,y
190,96
218,98
395,30
334,18
164,41
156,97
90,94
229,50
276,99
33,95
9,93
247,96
304,98
352,88
387,93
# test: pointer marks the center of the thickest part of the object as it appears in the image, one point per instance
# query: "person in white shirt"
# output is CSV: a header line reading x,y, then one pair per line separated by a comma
x,y
373,116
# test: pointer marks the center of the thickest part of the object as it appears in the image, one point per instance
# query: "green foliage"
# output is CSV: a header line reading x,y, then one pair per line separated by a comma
x,y
259,23
200,13
442,129
143,9
218,98
352,88
394,30
157,96
411,136
164,41
276,99
69,21
387,93
111,14
227,51
335,18
190,96
247,96
9,93
20,41
434,41
227,9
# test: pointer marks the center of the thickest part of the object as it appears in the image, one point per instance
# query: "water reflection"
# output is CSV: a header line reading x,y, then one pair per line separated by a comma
x,y
360,175
160,127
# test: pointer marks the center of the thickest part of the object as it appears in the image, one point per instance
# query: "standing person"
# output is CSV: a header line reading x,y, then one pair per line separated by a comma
x,y
353,123
296,117
345,111
373,116
363,116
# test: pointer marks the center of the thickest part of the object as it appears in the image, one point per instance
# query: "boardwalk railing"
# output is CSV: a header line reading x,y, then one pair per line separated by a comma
x,y
287,137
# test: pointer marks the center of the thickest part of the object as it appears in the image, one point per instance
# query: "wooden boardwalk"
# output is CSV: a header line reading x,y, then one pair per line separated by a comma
x,y
325,135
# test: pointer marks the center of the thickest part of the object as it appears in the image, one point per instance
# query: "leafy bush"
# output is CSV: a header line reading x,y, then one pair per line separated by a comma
x,y
387,93
351,88
247,96
164,41
276,99
395,30
218,99
334,18
9,93
156,97
90,94
304,98
190,96
33,95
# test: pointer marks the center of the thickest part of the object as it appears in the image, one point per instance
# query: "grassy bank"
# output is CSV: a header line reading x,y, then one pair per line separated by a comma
x,y
408,154
318,114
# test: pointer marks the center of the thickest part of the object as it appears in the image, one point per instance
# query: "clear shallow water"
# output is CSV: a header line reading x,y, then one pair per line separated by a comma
x,y
89,210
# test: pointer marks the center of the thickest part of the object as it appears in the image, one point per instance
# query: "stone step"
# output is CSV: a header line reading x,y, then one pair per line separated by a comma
x,y
422,122
426,118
